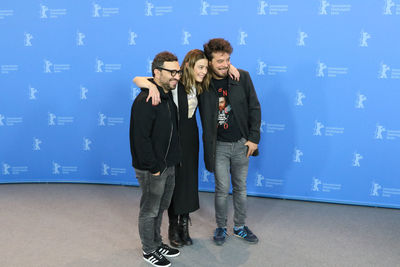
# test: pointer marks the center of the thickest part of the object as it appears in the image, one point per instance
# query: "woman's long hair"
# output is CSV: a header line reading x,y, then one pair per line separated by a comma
x,y
188,76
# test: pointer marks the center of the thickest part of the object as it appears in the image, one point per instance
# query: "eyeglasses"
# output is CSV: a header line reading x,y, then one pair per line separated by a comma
x,y
173,72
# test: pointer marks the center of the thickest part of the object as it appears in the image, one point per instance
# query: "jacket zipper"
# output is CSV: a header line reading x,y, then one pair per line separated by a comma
x,y
170,138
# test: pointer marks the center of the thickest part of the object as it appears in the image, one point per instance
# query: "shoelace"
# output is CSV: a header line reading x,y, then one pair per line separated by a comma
x,y
158,255
249,232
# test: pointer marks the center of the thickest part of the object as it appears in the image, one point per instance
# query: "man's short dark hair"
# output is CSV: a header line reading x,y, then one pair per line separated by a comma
x,y
160,58
217,45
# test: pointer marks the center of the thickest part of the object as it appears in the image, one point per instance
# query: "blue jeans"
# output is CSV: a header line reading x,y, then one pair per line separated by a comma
x,y
231,161
156,197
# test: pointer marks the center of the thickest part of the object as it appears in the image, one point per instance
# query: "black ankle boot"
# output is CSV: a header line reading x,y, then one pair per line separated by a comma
x,y
173,233
184,220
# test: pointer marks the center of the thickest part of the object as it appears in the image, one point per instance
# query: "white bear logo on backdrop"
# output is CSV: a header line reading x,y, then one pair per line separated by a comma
x,y
363,39
259,179
297,154
242,36
43,11
261,8
36,144
383,71
387,9
132,37
375,188
360,101
299,98
51,118
32,93
28,39
205,175
261,67
317,128
300,40
148,9
204,6
315,184
323,6
185,37
56,168
47,65
99,65
96,9
86,144
104,169
6,168
102,119
356,159
320,69
379,131
84,92
79,38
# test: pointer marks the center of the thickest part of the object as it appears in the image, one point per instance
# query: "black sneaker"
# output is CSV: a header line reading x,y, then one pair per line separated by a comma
x,y
156,259
167,251
220,235
246,234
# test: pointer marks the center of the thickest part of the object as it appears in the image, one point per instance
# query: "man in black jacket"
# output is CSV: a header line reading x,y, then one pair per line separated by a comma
x,y
231,118
155,152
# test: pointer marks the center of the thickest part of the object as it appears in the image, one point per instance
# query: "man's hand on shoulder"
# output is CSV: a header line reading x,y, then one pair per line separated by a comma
x,y
154,94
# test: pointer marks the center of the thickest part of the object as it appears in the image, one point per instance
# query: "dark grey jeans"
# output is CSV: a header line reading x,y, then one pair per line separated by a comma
x,y
231,161
156,197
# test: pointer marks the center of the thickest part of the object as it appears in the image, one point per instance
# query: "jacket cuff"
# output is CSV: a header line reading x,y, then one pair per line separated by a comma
x,y
254,140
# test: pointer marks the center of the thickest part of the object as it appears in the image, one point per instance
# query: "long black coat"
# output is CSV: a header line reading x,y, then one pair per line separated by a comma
x,y
186,194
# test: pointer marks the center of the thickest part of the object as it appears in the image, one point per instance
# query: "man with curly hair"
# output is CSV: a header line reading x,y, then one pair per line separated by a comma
x,y
231,118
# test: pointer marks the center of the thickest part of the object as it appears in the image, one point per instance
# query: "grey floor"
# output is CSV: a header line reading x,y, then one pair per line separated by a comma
x,y
79,225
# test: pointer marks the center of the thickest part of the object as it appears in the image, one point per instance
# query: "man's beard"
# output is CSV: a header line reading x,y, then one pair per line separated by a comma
x,y
219,75
166,86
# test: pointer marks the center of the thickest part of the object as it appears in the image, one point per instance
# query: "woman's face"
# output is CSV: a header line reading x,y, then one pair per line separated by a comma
x,y
200,69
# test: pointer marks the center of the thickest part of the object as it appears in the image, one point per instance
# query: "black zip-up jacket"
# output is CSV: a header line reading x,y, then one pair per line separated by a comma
x,y
243,99
154,133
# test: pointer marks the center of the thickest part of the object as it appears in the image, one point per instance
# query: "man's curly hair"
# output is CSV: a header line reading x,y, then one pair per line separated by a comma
x,y
217,45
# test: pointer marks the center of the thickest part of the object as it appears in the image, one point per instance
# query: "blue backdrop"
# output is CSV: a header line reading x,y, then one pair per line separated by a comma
x,y
327,74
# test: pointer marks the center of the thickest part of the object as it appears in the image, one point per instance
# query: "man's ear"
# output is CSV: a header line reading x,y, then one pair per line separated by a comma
x,y
156,73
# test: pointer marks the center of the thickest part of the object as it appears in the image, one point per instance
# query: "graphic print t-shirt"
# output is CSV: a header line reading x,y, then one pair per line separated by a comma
x,y
228,129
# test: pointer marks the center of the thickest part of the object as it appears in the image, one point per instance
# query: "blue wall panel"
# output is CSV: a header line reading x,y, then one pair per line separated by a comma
x,y
327,74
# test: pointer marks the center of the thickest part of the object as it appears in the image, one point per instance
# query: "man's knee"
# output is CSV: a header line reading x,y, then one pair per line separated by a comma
x,y
149,212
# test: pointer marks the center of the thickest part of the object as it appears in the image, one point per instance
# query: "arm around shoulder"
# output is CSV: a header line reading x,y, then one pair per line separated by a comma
x,y
154,94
